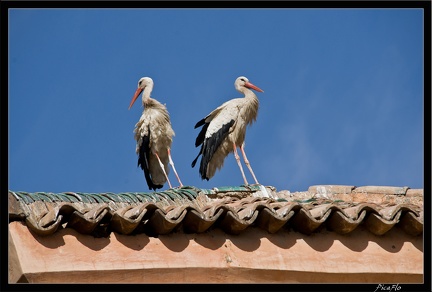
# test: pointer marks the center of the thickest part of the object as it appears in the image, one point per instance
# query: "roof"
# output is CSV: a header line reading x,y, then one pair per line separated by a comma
x,y
337,208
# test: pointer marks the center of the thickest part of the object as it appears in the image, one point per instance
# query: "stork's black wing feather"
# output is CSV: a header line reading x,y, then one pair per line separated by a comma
x,y
196,158
201,136
200,123
143,158
210,146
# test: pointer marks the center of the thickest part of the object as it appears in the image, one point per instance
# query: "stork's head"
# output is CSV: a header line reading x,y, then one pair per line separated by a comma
x,y
142,84
244,82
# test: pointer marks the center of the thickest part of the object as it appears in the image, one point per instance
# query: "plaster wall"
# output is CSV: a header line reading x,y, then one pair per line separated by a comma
x,y
254,256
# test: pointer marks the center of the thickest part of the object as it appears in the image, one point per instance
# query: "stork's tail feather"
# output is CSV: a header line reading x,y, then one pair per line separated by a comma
x,y
154,187
143,163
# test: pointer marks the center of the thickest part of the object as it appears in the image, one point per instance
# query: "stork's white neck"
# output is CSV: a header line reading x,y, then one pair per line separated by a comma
x,y
146,93
248,93
251,105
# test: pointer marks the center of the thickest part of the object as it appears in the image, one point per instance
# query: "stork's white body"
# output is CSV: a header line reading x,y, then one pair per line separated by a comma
x,y
153,135
224,129
155,124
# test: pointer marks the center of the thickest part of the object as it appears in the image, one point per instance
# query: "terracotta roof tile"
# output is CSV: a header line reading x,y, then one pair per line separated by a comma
x,y
338,208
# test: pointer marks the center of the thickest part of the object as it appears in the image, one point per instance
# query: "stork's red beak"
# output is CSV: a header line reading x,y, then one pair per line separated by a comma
x,y
134,98
250,85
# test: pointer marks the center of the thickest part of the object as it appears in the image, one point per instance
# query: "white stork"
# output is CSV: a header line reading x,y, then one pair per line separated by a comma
x,y
153,135
224,129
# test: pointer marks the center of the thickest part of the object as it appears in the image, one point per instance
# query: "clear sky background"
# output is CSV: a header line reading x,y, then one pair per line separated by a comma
x,y
342,102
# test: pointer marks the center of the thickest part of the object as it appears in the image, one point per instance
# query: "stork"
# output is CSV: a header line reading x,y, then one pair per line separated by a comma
x,y
224,129
153,134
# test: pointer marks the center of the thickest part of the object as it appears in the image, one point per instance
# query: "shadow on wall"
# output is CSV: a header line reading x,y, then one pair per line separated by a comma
x,y
249,240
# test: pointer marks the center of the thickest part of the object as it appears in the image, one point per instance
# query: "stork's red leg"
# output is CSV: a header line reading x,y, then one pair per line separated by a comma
x,y
163,170
172,165
247,163
237,157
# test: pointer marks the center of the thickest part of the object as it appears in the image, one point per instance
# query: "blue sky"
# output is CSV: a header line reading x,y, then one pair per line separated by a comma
x,y
342,102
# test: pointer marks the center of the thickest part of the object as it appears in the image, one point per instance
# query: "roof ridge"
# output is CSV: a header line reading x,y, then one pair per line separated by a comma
x,y
191,192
